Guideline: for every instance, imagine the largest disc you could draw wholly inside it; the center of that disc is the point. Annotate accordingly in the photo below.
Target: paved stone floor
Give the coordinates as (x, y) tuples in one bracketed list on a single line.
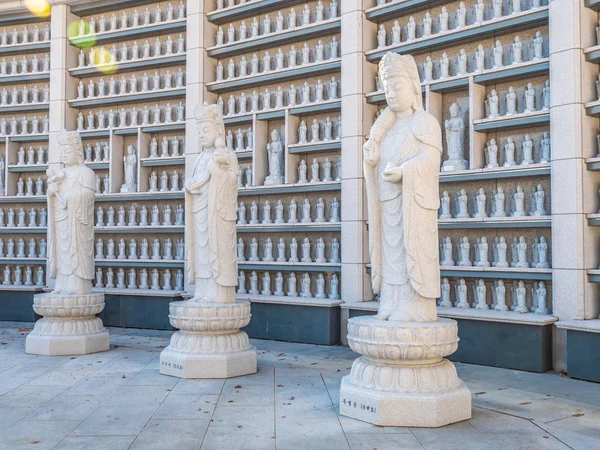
[(118, 400)]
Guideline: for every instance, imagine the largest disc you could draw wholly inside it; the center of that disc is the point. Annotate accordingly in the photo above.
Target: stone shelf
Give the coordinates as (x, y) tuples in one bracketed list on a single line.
[(290, 227), (126, 131), (139, 196), (593, 108), (593, 4), (279, 113), (23, 230), (316, 147), (238, 119), (590, 325), (592, 54), (98, 165), (140, 292), (11, 287), (497, 222), (497, 316), (139, 97), (274, 113), (506, 24), (94, 134), (594, 220), (19, 168), (29, 77), (23, 261), (131, 33), (317, 108), (24, 107), (154, 229), (164, 127), (520, 120), (276, 39), (593, 163), (245, 154), (398, 8), (31, 47), (276, 76), (249, 9), (152, 263), (508, 273), (327, 186), (28, 137), (164, 161), (289, 267), (593, 275), (531, 170), (285, 300), (128, 66), (23, 199)]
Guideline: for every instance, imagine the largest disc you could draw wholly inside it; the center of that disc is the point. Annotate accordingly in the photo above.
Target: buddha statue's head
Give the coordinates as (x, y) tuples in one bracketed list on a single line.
[(71, 148), (401, 82), (209, 123)]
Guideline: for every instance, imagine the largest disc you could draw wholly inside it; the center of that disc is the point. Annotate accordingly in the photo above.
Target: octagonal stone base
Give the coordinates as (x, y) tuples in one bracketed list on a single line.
[(67, 345), (405, 410), (194, 365)]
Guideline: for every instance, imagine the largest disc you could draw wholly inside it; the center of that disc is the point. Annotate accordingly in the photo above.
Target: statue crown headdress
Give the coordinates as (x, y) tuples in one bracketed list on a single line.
[(209, 112), (69, 137), (394, 64)]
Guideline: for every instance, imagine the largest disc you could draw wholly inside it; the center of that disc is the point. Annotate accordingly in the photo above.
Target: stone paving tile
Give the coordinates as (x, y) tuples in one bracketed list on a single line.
[(384, 442), (115, 421), (197, 387), (67, 407), (187, 406), (140, 396), (247, 427), (30, 396), (171, 434), (458, 436), (95, 443), (579, 431), (28, 434)]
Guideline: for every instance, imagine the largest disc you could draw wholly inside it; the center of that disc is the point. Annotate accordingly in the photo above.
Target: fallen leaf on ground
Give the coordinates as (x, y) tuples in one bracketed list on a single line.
[(525, 403), (577, 415)]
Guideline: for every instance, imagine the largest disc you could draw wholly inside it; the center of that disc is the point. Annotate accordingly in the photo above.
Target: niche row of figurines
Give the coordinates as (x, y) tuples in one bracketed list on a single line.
[(17, 277), (21, 249), (29, 187), (306, 212), (26, 66), (101, 56), (289, 60), (289, 252), (124, 118), (25, 35), (497, 207), (128, 217), (25, 125), (262, 28), (131, 85), (310, 287), (22, 218), (133, 20), (520, 301), (145, 250), (512, 150), (319, 171), (172, 182), (293, 96), (447, 21), (521, 102), (31, 156), (154, 279), (518, 253), (464, 63)]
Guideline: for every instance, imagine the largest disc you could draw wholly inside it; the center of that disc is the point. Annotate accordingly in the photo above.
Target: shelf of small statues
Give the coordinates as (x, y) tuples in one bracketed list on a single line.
[(24, 229), (397, 8), (23, 261), (126, 34), (474, 32), (315, 147), (247, 9), (23, 199), (593, 275), (507, 273), (24, 77), (277, 76), (287, 300), (163, 161), (153, 263), (275, 39), (18, 168), (520, 120), (140, 229), (593, 108), (98, 165), (138, 97), (279, 113), (496, 222), (321, 186), (491, 315), (529, 170), (28, 137), (24, 107), (594, 220), (290, 227), (138, 196), (290, 266), (29, 47), (128, 66)]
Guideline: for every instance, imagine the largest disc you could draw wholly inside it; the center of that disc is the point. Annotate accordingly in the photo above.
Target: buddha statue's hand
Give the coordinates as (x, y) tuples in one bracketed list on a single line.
[(392, 174), (52, 189), (371, 153)]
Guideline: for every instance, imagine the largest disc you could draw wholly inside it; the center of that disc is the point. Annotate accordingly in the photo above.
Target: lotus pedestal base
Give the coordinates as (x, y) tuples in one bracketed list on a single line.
[(69, 325), (210, 343), (402, 379)]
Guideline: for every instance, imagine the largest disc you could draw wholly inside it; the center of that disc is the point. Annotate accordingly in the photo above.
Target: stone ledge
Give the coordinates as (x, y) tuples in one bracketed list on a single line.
[(296, 301), (591, 326)]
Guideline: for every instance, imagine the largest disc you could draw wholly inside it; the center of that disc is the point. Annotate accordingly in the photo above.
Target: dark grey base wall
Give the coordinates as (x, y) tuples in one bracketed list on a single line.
[(507, 345), (133, 311), (583, 357), (295, 323), (17, 306)]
